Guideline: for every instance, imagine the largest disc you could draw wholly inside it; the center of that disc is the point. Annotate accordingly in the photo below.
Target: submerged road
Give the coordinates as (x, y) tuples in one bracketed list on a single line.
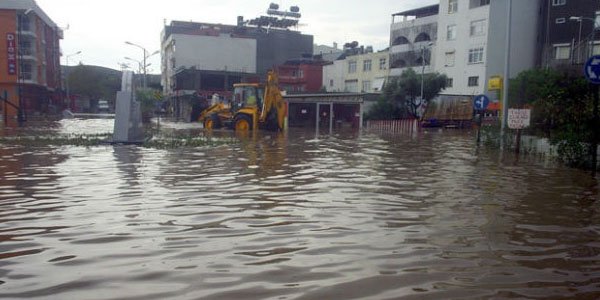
[(349, 216)]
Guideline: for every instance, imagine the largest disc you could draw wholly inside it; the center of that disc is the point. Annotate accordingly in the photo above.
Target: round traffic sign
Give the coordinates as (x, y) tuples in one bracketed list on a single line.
[(592, 69), (481, 102)]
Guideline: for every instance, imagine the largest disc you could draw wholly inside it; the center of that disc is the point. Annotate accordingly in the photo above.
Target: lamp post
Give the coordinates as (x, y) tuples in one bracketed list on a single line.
[(143, 63), (67, 74), (580, 20), (136, 61), (423, 48)]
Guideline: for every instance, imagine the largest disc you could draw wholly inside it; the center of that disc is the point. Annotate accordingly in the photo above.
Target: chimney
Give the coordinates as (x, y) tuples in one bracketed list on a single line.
[(240, 21), (335, 45)]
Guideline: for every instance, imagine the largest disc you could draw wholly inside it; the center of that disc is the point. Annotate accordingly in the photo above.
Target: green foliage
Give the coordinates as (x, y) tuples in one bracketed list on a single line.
[(562, 111), (560, 101), (147, 99), (401, 95), (94, 82)]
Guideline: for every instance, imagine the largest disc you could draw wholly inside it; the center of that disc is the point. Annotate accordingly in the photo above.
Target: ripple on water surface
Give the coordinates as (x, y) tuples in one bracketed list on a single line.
[(364, 217)]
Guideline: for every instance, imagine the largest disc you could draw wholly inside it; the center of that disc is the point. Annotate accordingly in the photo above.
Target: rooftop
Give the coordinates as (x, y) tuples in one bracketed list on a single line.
[(421, 12)]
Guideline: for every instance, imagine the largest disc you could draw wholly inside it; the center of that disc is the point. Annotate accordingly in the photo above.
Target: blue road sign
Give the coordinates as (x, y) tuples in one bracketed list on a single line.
[(592, 69), (481, 102)]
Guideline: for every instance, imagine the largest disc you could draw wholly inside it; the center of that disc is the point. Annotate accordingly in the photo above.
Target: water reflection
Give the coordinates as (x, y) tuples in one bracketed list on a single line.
[(290, 216)]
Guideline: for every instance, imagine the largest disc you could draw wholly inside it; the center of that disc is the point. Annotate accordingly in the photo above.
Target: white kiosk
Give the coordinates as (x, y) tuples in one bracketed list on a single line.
[(128, 116)]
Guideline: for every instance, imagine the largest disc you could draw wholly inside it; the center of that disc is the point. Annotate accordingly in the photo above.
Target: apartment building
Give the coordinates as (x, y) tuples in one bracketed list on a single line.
[(466, 39), (462, 44), (362, 71), (29, 59), (412, 40), (303, 75)]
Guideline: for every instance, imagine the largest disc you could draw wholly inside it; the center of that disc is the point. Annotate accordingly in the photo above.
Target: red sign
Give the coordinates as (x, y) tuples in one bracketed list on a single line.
[(11, 49)]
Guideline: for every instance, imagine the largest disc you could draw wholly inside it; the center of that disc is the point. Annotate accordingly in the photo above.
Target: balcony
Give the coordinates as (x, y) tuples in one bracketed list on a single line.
[(398, 71)]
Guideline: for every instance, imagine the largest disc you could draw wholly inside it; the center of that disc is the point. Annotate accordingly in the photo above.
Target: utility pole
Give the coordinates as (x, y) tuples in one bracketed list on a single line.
[(506, 75)]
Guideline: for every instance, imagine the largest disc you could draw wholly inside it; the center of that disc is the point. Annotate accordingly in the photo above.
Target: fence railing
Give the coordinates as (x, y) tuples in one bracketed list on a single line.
[(406, 126)]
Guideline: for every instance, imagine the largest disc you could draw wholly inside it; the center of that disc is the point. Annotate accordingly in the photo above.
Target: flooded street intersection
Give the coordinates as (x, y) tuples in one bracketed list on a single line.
[(349, 216)]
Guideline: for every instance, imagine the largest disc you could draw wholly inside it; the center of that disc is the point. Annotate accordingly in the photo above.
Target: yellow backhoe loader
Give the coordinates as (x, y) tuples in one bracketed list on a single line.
[(253, 106)]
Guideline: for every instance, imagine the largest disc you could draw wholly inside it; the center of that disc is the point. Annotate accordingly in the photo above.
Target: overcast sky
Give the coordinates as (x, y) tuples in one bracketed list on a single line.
[(100, 28)]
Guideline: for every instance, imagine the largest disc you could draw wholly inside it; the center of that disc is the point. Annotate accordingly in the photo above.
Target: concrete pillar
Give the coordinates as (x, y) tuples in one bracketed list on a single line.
[(317, 114), (331, 118), (360, 116)]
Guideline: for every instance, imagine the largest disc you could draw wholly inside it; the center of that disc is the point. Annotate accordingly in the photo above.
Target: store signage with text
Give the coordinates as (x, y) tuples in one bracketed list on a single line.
[(11, 49)]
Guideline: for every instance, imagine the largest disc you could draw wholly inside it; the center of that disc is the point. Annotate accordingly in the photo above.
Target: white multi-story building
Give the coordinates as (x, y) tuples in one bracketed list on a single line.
[(412, 40), (364, 72), (467, 40), (462, 45)]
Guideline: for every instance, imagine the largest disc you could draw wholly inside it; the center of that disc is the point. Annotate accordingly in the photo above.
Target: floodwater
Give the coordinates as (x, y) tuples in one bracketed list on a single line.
[(348, 216)]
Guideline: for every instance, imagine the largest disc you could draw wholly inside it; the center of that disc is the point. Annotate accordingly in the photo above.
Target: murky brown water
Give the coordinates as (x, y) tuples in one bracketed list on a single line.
[(343, 217)]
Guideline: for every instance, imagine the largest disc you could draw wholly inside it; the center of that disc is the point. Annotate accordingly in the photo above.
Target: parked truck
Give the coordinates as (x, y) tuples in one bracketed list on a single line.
[(254, 106)]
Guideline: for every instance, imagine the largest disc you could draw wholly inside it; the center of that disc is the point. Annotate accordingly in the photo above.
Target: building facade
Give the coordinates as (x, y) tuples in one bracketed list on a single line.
[(412, 40), (301, 76), (29, 60), (467, 42), (204, 58), (567, 32), (461, 50), (364, 71)]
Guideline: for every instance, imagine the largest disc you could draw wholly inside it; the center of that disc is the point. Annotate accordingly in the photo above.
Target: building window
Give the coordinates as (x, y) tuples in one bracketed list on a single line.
[(452, 6), (562, 51), (366, 86), (367, 65), (351, 86), (352, 67), (450, 58), (478, 27), (560, 20), (476, 55), (331, 82), (558, 2), (451, 33), (298, 73), (478, 3), (382, 64), (449, 82), (473, 81), (26, 71)]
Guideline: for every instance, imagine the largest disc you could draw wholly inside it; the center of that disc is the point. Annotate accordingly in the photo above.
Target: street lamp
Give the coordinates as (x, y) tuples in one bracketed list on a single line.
[(145, 56), (67, 74), (423, 48), (580, 20)]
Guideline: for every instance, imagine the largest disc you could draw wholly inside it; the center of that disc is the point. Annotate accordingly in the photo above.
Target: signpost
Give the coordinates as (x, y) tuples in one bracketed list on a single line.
[(591, 71), (480, 104), (519, 118)]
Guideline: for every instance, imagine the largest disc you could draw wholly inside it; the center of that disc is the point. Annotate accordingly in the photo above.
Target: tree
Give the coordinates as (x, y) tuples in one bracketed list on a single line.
[(401, 95), (94, 82)]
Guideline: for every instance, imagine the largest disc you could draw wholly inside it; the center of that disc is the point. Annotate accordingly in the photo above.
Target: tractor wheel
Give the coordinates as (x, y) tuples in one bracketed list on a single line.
[(242, 123), (212, 122)]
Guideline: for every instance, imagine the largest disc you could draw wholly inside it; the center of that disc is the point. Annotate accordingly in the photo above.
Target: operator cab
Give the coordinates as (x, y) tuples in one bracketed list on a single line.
[(247, 95)]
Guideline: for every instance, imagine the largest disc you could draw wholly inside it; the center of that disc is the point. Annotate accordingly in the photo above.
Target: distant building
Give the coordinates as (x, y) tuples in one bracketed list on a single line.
[(303, 75), (30, 64), (206, 58), (358, 70), (327, 53)]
